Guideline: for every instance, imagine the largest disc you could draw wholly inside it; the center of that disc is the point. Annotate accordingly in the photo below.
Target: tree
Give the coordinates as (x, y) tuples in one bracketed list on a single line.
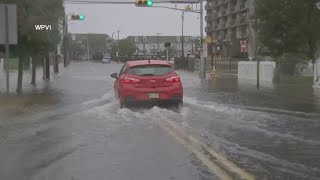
[(288, 28), (126, 46), (32, 43)]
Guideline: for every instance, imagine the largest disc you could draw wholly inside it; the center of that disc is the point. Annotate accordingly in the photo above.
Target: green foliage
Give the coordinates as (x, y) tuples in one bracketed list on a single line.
[(97, 42), (126, 46), (97, 56), (35, 12), (288, 28)]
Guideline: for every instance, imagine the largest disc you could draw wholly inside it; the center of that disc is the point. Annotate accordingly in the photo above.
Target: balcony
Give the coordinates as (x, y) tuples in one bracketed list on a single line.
[(231, 22), (243, 20), (232, 9), (208, 17), (223, 12), (221, 25), (209, 6), (227, 38), (208, 29), (242, 6)]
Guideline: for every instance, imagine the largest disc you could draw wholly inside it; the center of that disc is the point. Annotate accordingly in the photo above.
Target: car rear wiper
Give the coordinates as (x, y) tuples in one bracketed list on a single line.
[(146, 75)]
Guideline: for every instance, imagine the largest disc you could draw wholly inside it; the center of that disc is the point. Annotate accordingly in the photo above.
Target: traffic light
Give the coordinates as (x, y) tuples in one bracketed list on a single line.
[(77, 17), (144, 3)]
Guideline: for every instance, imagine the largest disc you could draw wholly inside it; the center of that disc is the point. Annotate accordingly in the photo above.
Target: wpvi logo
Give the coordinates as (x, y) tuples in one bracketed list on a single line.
[(41, 27)]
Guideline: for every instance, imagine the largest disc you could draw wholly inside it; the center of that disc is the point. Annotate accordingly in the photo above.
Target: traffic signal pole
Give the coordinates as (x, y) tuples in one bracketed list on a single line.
[(202, 62), (65, 41), (182, 36)]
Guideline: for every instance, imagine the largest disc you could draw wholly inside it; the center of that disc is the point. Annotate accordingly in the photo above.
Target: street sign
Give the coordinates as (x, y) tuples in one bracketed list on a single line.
[(243, 46), (12, 23)]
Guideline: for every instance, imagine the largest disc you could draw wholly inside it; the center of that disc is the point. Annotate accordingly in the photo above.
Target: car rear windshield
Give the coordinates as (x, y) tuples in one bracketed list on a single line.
[(150, 70)]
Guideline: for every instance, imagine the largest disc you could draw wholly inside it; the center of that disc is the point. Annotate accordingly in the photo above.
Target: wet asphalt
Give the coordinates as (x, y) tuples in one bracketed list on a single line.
[(72, 128)]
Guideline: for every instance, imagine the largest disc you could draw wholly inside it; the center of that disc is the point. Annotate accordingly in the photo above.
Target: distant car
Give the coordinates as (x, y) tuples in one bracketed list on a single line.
[(148, 82), (106, 60)]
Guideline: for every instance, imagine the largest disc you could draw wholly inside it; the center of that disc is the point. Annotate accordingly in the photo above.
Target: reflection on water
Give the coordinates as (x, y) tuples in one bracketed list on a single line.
[(290, 94), (42, 97)]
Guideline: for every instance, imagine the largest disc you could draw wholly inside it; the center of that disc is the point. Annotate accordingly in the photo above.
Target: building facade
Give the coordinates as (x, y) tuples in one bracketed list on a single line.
[(151, 45), (228, 23)]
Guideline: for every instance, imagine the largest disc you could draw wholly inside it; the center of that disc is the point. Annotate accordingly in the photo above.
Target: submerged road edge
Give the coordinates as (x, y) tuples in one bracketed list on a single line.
[(217, 164)]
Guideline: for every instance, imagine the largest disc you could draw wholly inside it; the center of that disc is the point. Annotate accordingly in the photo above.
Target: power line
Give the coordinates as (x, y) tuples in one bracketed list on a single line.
[(125, 2)]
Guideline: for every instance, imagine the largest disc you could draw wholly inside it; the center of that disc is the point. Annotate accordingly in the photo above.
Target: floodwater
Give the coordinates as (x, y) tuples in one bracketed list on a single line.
[(72, 128)]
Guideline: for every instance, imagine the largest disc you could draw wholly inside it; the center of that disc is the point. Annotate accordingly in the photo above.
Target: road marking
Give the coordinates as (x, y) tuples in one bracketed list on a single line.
[(215, 162)]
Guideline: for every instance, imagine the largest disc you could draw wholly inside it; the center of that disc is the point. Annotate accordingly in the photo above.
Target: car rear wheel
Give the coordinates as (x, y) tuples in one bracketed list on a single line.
[(122, 105), (178, 106)]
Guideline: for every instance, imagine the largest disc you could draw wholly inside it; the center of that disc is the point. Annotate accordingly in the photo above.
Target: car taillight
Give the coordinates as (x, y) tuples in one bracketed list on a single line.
[(131, 80), (173, 79)]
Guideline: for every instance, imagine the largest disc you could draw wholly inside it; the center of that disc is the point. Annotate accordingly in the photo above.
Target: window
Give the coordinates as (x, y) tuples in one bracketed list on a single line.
[(136, 39), (186, 39), (150, 70), (123, 69), (178, 38), (144, 39)]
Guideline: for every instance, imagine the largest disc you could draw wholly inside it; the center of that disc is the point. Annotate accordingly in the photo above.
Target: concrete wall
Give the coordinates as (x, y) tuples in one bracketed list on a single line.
[(248, 70)]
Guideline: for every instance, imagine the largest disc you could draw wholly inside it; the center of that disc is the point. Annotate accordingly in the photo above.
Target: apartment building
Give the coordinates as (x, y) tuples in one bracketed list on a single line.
[(150, 45), (227, 24)]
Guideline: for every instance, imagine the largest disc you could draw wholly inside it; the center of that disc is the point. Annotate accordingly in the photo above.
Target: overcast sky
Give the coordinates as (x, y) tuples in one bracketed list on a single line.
[(131, 20)]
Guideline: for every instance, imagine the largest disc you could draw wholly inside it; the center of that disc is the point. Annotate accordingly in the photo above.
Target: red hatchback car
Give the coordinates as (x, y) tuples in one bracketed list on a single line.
[(148, 82)]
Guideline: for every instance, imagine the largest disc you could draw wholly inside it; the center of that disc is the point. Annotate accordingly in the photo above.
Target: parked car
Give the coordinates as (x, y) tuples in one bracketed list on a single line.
[(106, 60), (152, 82)]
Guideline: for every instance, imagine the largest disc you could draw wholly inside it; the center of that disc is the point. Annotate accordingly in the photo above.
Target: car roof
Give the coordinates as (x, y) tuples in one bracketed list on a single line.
[(146, 62)]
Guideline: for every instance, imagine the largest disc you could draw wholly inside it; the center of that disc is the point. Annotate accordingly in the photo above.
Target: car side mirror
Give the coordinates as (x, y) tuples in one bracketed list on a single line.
[(114, 75)]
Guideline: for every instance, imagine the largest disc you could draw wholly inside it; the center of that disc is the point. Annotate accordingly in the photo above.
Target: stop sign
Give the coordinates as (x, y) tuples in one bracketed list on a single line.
[(243, 46)]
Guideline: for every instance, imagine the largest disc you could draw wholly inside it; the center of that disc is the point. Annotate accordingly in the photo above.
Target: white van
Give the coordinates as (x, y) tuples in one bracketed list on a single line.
[(106, 60)]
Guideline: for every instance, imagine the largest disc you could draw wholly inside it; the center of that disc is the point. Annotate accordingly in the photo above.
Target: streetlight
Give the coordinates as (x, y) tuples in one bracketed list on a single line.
[(118, 53)]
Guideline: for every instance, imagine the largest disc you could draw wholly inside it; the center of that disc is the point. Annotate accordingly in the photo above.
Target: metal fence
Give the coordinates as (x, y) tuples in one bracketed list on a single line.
[(290, 69), (225, 65)]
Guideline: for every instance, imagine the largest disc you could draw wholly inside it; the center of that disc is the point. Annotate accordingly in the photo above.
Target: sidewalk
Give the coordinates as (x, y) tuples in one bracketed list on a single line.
[(26, 78)]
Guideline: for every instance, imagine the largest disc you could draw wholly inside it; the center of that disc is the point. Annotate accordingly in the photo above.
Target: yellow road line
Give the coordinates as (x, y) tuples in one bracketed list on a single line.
[(215, 162)]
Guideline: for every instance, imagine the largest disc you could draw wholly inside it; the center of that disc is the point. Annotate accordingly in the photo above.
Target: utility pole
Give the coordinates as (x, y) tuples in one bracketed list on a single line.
[(182, 37), (88, 49), (202, 63), (118, 53), (65, 40), (158, 44), (7, 62)]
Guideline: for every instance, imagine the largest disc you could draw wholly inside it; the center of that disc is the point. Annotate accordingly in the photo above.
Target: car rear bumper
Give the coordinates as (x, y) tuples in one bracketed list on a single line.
[(166, 95), (170, 102)]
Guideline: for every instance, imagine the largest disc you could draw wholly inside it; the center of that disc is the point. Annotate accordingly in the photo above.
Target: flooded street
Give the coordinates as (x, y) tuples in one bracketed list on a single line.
[(72, 128)]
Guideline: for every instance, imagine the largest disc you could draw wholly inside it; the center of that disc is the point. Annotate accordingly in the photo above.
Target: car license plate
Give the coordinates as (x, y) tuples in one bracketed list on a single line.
[(153, 95)]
